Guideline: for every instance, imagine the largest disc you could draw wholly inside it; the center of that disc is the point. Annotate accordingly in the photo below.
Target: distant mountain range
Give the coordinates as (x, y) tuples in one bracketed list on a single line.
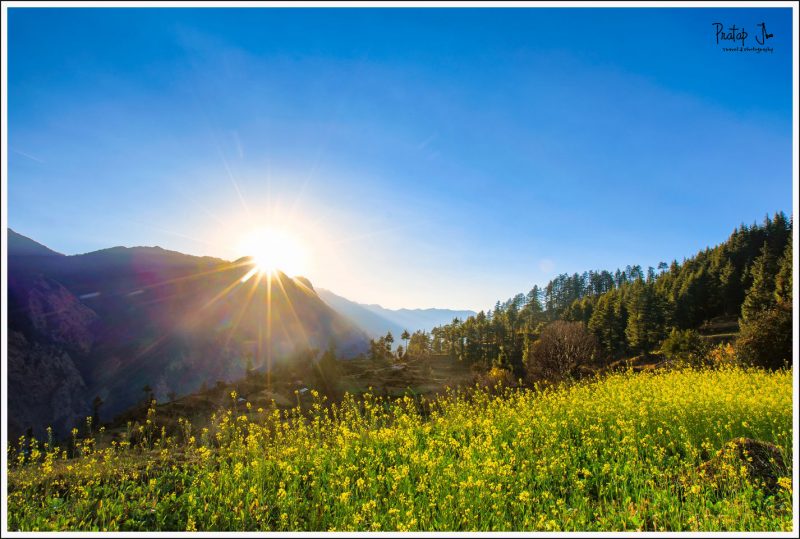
[(109, 322), (376, 320)]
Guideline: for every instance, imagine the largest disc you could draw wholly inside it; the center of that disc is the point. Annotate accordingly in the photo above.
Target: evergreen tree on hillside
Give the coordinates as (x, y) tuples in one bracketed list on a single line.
[(783, 281), (608, 322), (729, 285), (405, 336), (761, 295), (779, 233), (480, 335), (533, 312), (692, 299), (765, 339), (419, 344), (580, 310), (632, 310), (646, 317)]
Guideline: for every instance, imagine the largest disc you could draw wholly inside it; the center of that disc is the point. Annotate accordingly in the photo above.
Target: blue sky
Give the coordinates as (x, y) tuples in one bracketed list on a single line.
[(423, 157)]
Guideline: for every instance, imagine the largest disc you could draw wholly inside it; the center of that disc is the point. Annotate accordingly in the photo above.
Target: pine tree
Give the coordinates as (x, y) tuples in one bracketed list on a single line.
[(608, 322), (761, 296), (646, 317), (729, 283), (783, 281)]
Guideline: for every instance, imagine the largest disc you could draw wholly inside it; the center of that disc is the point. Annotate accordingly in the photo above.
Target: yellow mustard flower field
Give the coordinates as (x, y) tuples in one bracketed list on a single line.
[(646, 451)]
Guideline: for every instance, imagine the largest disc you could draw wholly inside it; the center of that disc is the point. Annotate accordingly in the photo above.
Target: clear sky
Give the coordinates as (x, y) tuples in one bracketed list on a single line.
[(422, 157)]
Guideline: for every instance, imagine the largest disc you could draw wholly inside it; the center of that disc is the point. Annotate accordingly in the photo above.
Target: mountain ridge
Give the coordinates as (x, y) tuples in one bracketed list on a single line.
[(25, 246), (376, 320), (123, 318)]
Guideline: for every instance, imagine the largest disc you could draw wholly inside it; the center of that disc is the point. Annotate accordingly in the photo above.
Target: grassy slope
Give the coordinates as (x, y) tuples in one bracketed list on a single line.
[(429, 377), (615, 454)]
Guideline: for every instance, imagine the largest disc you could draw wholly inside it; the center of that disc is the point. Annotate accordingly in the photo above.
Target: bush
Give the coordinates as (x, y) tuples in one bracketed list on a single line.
[(495, 378), (685, 347), (562, 349), (723, 355), (765, 339)]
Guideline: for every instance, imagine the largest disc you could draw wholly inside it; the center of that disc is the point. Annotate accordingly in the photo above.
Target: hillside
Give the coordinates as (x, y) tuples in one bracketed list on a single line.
[(110, 323), (123, 318), (655, 452), (746, 278), (21, 245)]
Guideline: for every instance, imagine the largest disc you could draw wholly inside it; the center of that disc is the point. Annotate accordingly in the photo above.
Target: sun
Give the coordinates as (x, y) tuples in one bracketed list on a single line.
[(273, 250)]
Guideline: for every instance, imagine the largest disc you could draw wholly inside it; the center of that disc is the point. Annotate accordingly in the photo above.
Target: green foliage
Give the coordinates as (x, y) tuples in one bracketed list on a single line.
[(761, 295), (783, 281), (622, 453), (646, 317), (765, 339), (632, 310), (580, 310), (381, 348), (419, 344), (608, 322), (685, 347)]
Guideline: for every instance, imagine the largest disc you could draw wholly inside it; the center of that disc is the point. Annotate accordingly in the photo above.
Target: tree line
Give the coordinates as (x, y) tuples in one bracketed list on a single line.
[(633, 311)]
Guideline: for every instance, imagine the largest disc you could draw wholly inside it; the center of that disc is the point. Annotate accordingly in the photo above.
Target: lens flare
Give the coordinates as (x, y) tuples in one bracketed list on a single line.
[(274, 250)]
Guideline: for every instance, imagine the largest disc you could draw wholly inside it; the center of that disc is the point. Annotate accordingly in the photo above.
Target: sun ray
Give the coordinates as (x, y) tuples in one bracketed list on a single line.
[(247, 299), (249, 274), (269, 334), (292, 309), (222, 293), (196, 275)]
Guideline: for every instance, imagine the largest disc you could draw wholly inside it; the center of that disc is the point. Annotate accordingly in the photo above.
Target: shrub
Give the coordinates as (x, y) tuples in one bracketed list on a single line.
[(560, 352), (685, 347), (495, 378), (765, 339), (723, 355)]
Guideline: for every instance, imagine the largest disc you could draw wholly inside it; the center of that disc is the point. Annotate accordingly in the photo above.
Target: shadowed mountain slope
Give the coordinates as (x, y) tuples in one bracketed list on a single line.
[(122, 318)]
